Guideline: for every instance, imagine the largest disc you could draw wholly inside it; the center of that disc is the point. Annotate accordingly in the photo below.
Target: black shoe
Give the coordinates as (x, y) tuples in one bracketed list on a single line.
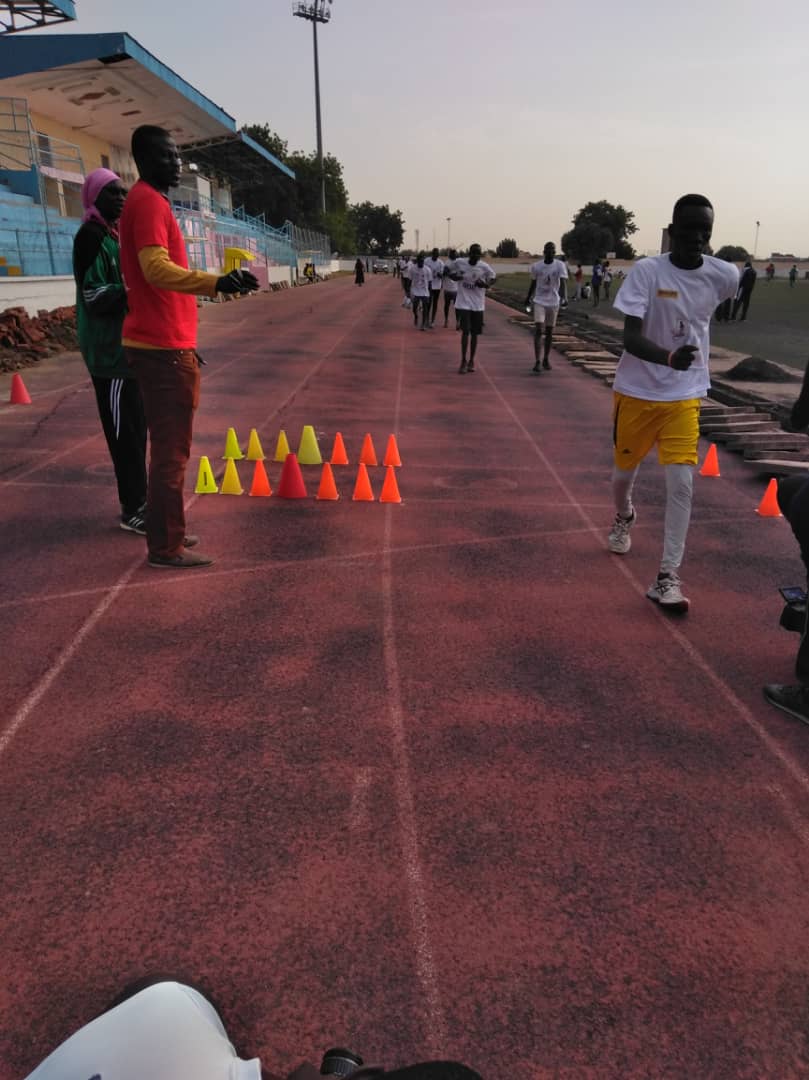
[(462, 369), (793, 700), (793, 617), (134, 523), (546, 365), (536, 369), (470, 368)]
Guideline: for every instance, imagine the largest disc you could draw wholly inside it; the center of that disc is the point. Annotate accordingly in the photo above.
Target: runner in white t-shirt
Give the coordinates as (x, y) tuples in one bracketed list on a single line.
[(436, 269), (547, 290), (404, 270), (420, 278), (450, 288), (667, 301), (474, 277)]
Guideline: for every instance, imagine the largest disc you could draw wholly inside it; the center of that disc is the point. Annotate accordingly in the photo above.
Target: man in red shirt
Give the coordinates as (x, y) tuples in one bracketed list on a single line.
[(160, 338)]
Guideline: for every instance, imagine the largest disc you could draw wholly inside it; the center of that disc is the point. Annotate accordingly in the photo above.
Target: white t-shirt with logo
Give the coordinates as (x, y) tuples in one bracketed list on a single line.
[(547, 277), (408, 266), (165, 1032), (471, 297), (676, 307), (447, 283), (420, 278), (436, 269)]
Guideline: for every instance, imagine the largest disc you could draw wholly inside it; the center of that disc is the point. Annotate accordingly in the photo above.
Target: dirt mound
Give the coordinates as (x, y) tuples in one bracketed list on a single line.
[(756, 369), (25, 340)]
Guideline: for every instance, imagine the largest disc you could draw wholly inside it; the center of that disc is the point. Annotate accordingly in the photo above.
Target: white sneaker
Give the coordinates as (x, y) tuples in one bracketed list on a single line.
[(619, 541), (666, 591)]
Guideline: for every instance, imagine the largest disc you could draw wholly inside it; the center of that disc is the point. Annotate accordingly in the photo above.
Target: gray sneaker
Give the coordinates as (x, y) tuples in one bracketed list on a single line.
[(793, 700), (666, 591), (619, 540)]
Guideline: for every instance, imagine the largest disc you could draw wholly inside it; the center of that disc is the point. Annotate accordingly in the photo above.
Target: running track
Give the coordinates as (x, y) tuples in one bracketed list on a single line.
[(428, 780)]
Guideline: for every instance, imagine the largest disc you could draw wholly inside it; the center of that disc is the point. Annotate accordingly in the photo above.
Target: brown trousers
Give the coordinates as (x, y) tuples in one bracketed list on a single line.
[(169, 386)]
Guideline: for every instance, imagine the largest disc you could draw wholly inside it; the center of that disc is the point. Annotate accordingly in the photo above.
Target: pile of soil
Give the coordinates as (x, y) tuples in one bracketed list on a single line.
[(25, 340)]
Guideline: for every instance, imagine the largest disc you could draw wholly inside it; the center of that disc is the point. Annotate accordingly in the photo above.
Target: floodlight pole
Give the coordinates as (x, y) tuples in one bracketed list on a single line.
[(755, 245), (449, 219), (316, 11)]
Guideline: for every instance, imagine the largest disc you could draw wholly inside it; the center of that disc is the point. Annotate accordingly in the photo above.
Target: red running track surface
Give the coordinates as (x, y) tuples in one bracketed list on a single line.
[(429, 779)]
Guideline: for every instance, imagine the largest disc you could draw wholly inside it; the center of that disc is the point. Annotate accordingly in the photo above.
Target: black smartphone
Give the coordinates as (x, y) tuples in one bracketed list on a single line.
[(793, 594)]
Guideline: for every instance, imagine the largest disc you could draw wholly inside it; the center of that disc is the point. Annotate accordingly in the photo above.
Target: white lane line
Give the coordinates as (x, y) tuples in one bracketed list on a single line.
[(733, 702), (426, 967), (114, 591)]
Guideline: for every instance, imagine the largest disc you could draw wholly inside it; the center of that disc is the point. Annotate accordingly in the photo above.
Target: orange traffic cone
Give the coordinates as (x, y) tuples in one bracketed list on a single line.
[(328, 488), (362, 489), (710, 466), (291, 485), (392, 453), (390, 489), (338, 454), (768, 507), (368, 454), (261, 483), (19, 395)]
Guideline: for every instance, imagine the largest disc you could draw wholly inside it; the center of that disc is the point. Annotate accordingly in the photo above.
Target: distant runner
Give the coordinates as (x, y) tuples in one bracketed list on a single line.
[(547, 290)]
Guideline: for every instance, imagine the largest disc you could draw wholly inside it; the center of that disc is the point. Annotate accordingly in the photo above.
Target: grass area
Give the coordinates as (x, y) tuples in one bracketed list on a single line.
[(777, 325)]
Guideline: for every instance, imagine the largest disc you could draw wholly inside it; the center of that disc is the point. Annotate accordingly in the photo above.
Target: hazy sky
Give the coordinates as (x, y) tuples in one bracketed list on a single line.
[(509, 115)]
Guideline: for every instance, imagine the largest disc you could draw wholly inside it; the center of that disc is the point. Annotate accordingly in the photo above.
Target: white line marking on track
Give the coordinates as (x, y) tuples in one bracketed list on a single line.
[(694, 655), (426, 967)]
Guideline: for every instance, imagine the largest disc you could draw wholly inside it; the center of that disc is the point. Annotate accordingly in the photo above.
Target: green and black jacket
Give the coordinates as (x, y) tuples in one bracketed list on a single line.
[(100, 301)]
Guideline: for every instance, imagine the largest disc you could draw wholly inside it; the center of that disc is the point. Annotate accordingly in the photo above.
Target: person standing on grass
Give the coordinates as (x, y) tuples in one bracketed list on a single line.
[(436, 269), (474, 276), (420, 280), (578, 277), (450, 288), (667, 302), (547, 290), (595, 281), (100, 310), (160, 338), (747, 283), (606, 279)]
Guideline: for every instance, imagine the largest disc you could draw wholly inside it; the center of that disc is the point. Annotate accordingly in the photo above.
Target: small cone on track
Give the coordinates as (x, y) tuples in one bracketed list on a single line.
[(368, 454), (328, 488), (338, 453), (254, 449), (308, 450), (710, 466), (363, 491), (390, 489), (206, 485), (768, 507), (261, 484), (281, 447), (291, 485), (19, 395), (392, 453), (233, 452), (231, 484)]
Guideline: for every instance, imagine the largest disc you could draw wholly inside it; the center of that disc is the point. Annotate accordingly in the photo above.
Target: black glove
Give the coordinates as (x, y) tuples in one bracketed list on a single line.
[(237, 281)]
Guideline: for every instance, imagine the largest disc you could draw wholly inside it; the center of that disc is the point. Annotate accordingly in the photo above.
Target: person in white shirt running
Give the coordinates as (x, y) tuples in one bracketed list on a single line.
[(420, 278), (474, 276), (404, 271), (667, 301), (547, 290), (436, 269), (450, 288)]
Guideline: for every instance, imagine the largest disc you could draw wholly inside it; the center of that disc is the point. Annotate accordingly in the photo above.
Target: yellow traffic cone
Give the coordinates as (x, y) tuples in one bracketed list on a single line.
[(231, 485), (282, 450), (308, 450), (232, 448), (254, 450), (206, 485)]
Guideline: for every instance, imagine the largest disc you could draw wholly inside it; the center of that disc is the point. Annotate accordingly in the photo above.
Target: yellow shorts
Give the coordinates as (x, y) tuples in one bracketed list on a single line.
[(637, 425)]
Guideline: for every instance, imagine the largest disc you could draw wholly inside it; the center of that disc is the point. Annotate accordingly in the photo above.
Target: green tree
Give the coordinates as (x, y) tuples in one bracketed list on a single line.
[(733, 253), (507, 249), (378, 229), (616, 221)]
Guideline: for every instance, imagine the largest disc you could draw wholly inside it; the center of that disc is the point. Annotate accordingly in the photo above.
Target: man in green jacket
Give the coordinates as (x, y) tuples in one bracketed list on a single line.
[(100, 310)]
